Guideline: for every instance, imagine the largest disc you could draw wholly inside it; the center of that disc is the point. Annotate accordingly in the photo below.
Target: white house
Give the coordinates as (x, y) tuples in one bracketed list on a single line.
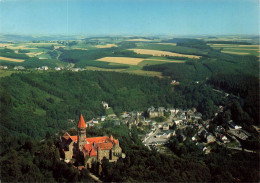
[(103, 118), (95, 121)]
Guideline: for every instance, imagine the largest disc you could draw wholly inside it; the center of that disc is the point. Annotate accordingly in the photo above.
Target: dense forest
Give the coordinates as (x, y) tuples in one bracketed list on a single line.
[(50, 99)]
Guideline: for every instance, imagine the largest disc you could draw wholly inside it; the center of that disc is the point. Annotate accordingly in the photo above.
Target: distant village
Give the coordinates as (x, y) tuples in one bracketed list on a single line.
[(158, 133), (44, 68)]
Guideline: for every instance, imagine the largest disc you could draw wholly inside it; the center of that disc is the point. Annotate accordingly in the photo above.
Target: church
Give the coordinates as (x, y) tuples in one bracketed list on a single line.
[(88, 150)]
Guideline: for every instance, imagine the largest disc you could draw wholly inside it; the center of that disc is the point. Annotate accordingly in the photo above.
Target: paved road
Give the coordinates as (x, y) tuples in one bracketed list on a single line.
[(240, 149)]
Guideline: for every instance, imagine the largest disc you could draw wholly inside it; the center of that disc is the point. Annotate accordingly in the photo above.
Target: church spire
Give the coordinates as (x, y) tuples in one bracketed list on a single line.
[(81, 123)]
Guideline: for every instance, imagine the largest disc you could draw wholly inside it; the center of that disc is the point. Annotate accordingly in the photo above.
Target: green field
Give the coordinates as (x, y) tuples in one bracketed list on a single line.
[(84, 53)]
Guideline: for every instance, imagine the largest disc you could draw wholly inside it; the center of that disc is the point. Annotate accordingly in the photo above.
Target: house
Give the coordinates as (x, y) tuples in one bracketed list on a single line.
[(166, 127), (103, 118), (105, 105), (153, 112), (19, 68), (75, 69), (3, 67), (58, 68), (95, 121), (178, 122), (45, 68), (224, 139), (210, 138), (89, 150), (233, 125)]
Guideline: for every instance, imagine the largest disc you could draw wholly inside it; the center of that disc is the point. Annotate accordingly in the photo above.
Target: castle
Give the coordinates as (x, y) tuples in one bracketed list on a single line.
[(88, 150)]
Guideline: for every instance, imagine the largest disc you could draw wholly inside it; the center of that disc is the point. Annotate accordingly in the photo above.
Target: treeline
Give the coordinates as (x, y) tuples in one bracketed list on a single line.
[(205, 67), (11, 54), (35, 62), (229, 42)]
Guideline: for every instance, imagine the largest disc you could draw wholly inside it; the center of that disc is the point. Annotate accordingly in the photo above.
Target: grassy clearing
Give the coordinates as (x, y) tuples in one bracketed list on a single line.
[(40, 112), (4, 73), (11, 59), (162, 53), (146, 73), (109, 111)]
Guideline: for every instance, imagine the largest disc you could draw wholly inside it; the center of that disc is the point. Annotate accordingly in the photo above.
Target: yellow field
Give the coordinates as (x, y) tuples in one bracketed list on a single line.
[(122, 60), (31, 54), (162, 53), (4, 45), (173, 44), (57, 47), (11, 59), (175, 61), (20, 48), (233, 45), (138, 40), (36, 44), (106, 46), (237, 53), (80, 49)]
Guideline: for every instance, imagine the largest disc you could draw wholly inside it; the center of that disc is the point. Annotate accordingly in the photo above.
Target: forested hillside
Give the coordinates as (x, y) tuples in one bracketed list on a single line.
[(36, 103)]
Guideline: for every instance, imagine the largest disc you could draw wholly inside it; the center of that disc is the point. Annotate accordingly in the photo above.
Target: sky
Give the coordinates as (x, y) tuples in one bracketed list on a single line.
[(129, 17)]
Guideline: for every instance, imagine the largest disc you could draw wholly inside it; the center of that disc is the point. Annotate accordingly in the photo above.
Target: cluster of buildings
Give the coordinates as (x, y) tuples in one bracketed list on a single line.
[(44, 68), (87, 150)]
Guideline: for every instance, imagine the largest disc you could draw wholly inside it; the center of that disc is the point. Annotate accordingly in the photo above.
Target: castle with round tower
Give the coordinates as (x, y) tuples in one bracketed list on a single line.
[(88, 150)]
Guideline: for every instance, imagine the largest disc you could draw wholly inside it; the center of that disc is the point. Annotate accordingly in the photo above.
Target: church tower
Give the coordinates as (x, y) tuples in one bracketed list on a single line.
[(81, 132)]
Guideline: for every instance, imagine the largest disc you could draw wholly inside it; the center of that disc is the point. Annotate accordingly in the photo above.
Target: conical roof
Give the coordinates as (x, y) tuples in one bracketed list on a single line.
[(81, 123)]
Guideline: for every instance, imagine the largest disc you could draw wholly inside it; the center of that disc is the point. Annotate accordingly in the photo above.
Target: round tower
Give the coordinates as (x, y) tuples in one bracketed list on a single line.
[(81, 132)]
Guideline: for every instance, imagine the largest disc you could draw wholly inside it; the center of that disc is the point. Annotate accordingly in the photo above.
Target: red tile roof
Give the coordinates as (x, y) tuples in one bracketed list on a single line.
[(66, 136), (74, 138), (105, 146), (93, 152), (88, 147), (81, 123), (97, 139)]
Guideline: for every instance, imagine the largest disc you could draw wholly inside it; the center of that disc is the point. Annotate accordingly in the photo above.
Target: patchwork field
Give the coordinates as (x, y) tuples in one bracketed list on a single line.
[(106, 46), (121, 60), (11, 59), (33, 54), (138, 40), (232, 52), (162, 53), (2, 45), (238, 49)]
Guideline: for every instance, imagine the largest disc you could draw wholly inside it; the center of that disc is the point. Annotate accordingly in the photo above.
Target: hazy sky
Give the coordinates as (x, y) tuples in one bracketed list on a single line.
[(133, 17)]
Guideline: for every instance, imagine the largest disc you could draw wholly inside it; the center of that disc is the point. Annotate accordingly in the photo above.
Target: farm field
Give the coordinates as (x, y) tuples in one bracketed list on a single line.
[(138, 55), (106, 46), (237, 49), (11, 59), (162, 53), (122, 60)]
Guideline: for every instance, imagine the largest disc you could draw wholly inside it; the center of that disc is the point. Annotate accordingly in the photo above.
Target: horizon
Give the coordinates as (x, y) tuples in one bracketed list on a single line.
[(129, 18)]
